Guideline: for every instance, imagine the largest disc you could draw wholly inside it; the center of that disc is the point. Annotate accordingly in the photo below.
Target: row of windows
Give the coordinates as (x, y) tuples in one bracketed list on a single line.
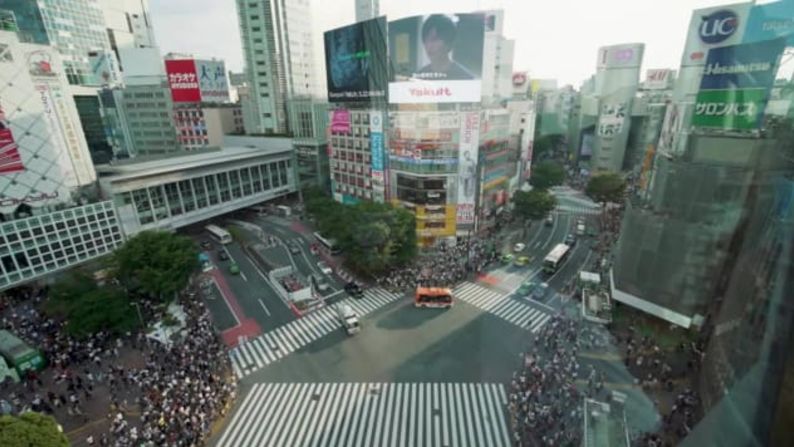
[(177, 198), (352, 190)]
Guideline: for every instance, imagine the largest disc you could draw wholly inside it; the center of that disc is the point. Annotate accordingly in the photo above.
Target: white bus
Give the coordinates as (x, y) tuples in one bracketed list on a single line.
[(555, 258), (329, 244), (219, 234)]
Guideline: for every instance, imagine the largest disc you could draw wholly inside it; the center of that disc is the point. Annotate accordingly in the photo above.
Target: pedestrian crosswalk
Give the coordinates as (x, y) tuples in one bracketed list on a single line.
[(259, 352), (370, 414), (501, 305), (577, 209)]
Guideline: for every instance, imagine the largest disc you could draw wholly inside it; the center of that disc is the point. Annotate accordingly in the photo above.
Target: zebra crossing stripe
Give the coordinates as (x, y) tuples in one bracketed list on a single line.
[(500, 305)]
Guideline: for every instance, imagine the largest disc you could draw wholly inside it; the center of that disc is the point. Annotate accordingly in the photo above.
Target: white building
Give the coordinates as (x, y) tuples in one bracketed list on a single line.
[(497, 63), (279, 59), (367, 9), (45, 155)]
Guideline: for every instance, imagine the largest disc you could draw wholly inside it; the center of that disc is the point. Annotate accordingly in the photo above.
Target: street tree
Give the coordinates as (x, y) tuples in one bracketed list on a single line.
[(31, 429), (547, 174), (156, 263), (534, 205), (606, 187)]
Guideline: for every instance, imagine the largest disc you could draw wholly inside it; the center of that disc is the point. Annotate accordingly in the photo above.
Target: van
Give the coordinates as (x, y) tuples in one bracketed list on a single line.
[(349, 319), (580, 228)]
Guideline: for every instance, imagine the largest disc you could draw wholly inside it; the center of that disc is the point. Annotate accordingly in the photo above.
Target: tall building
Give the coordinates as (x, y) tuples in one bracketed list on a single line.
[(497, 65), (74, 28), (279, 59), (367, 9), (309, 119)]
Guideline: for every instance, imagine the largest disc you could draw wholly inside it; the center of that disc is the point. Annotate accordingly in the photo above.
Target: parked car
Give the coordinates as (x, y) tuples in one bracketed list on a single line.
[(222, 255), (354, 290), (519, 247), (324, 268)]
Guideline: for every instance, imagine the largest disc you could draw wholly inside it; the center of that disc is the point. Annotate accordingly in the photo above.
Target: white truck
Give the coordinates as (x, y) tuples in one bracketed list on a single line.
[(349, 319)]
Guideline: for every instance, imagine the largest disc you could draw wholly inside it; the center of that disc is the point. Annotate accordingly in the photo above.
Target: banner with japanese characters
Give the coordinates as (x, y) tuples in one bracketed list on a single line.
[(182, 80)]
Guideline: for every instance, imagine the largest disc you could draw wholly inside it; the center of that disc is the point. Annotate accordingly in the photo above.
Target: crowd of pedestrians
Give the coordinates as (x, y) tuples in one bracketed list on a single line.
[(545, 405), (443, 266), (171, 398)]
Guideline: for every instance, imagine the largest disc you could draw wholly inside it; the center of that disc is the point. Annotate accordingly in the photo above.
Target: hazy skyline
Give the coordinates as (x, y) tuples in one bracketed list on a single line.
[(558, 40)]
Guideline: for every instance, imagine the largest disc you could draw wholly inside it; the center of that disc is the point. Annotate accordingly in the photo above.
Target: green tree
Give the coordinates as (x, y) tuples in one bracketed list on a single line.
[(31, 429), (606, 187), (535, 204), (547, 174), (157, 263), (89, 309)]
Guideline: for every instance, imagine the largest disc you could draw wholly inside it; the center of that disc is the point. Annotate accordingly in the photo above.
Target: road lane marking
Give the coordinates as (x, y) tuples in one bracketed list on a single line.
[(261, 303)]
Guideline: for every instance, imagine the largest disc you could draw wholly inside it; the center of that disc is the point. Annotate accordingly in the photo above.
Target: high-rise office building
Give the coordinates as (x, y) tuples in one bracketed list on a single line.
[(279, 59), (367, 9)]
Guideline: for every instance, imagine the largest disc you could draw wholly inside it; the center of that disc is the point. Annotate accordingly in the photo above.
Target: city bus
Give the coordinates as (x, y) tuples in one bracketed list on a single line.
[(329, 244), (219, 234), (433, 297), (555, 258), (19, 354)]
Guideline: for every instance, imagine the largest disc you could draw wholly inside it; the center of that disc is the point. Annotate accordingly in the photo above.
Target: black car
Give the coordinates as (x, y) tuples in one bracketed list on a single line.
[(354, 290), (206, 245), (570, 240), (222, 255)]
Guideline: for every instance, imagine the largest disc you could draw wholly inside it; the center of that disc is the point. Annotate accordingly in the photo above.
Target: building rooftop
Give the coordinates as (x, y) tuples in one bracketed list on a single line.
[(134, 168)]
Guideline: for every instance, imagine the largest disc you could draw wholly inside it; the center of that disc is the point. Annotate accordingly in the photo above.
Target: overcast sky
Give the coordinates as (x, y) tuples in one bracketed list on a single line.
[(554, 38)]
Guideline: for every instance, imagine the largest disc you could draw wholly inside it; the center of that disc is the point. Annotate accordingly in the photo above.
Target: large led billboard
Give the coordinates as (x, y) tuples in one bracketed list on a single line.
[(356, 63), (436, 58)]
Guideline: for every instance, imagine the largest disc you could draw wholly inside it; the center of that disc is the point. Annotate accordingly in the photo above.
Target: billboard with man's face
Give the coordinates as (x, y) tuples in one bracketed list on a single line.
[(436, 58), (356, 64)]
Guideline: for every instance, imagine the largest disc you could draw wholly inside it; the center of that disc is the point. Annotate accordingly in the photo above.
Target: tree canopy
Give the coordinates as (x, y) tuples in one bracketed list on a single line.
[(606, 187), (535, 204), (31, 429), (157, 263), (547, 174), (373, 236), (89, 309)]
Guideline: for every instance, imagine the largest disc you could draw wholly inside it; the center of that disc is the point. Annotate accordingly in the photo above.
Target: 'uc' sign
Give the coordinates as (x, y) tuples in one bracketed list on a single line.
[(718, 26)]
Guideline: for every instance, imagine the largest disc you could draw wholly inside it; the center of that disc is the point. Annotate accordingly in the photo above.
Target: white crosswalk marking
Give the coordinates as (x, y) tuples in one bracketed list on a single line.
[(370, 414), (501, 305), (259, 352), (578, 209)]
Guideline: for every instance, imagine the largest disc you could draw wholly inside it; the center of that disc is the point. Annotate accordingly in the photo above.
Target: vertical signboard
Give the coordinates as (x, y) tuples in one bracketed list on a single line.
[(376, 155), (182, 80), (10, 161), (437, 58), (467, 167), (735, 85), (770, 21), (356, 62), (212, 82), (714, 27)]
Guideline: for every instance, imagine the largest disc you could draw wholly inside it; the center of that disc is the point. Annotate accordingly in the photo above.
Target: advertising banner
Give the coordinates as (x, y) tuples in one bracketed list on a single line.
[(467, 167), (105, 67), (182, 80), (714, 27), (620, 56), (658, 78), (212, 81), (436, 58), (10, 160), (356, 63), (340, 121), (750, 65), (376, 140), (739, 109), (611, 119), (770, 21)]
